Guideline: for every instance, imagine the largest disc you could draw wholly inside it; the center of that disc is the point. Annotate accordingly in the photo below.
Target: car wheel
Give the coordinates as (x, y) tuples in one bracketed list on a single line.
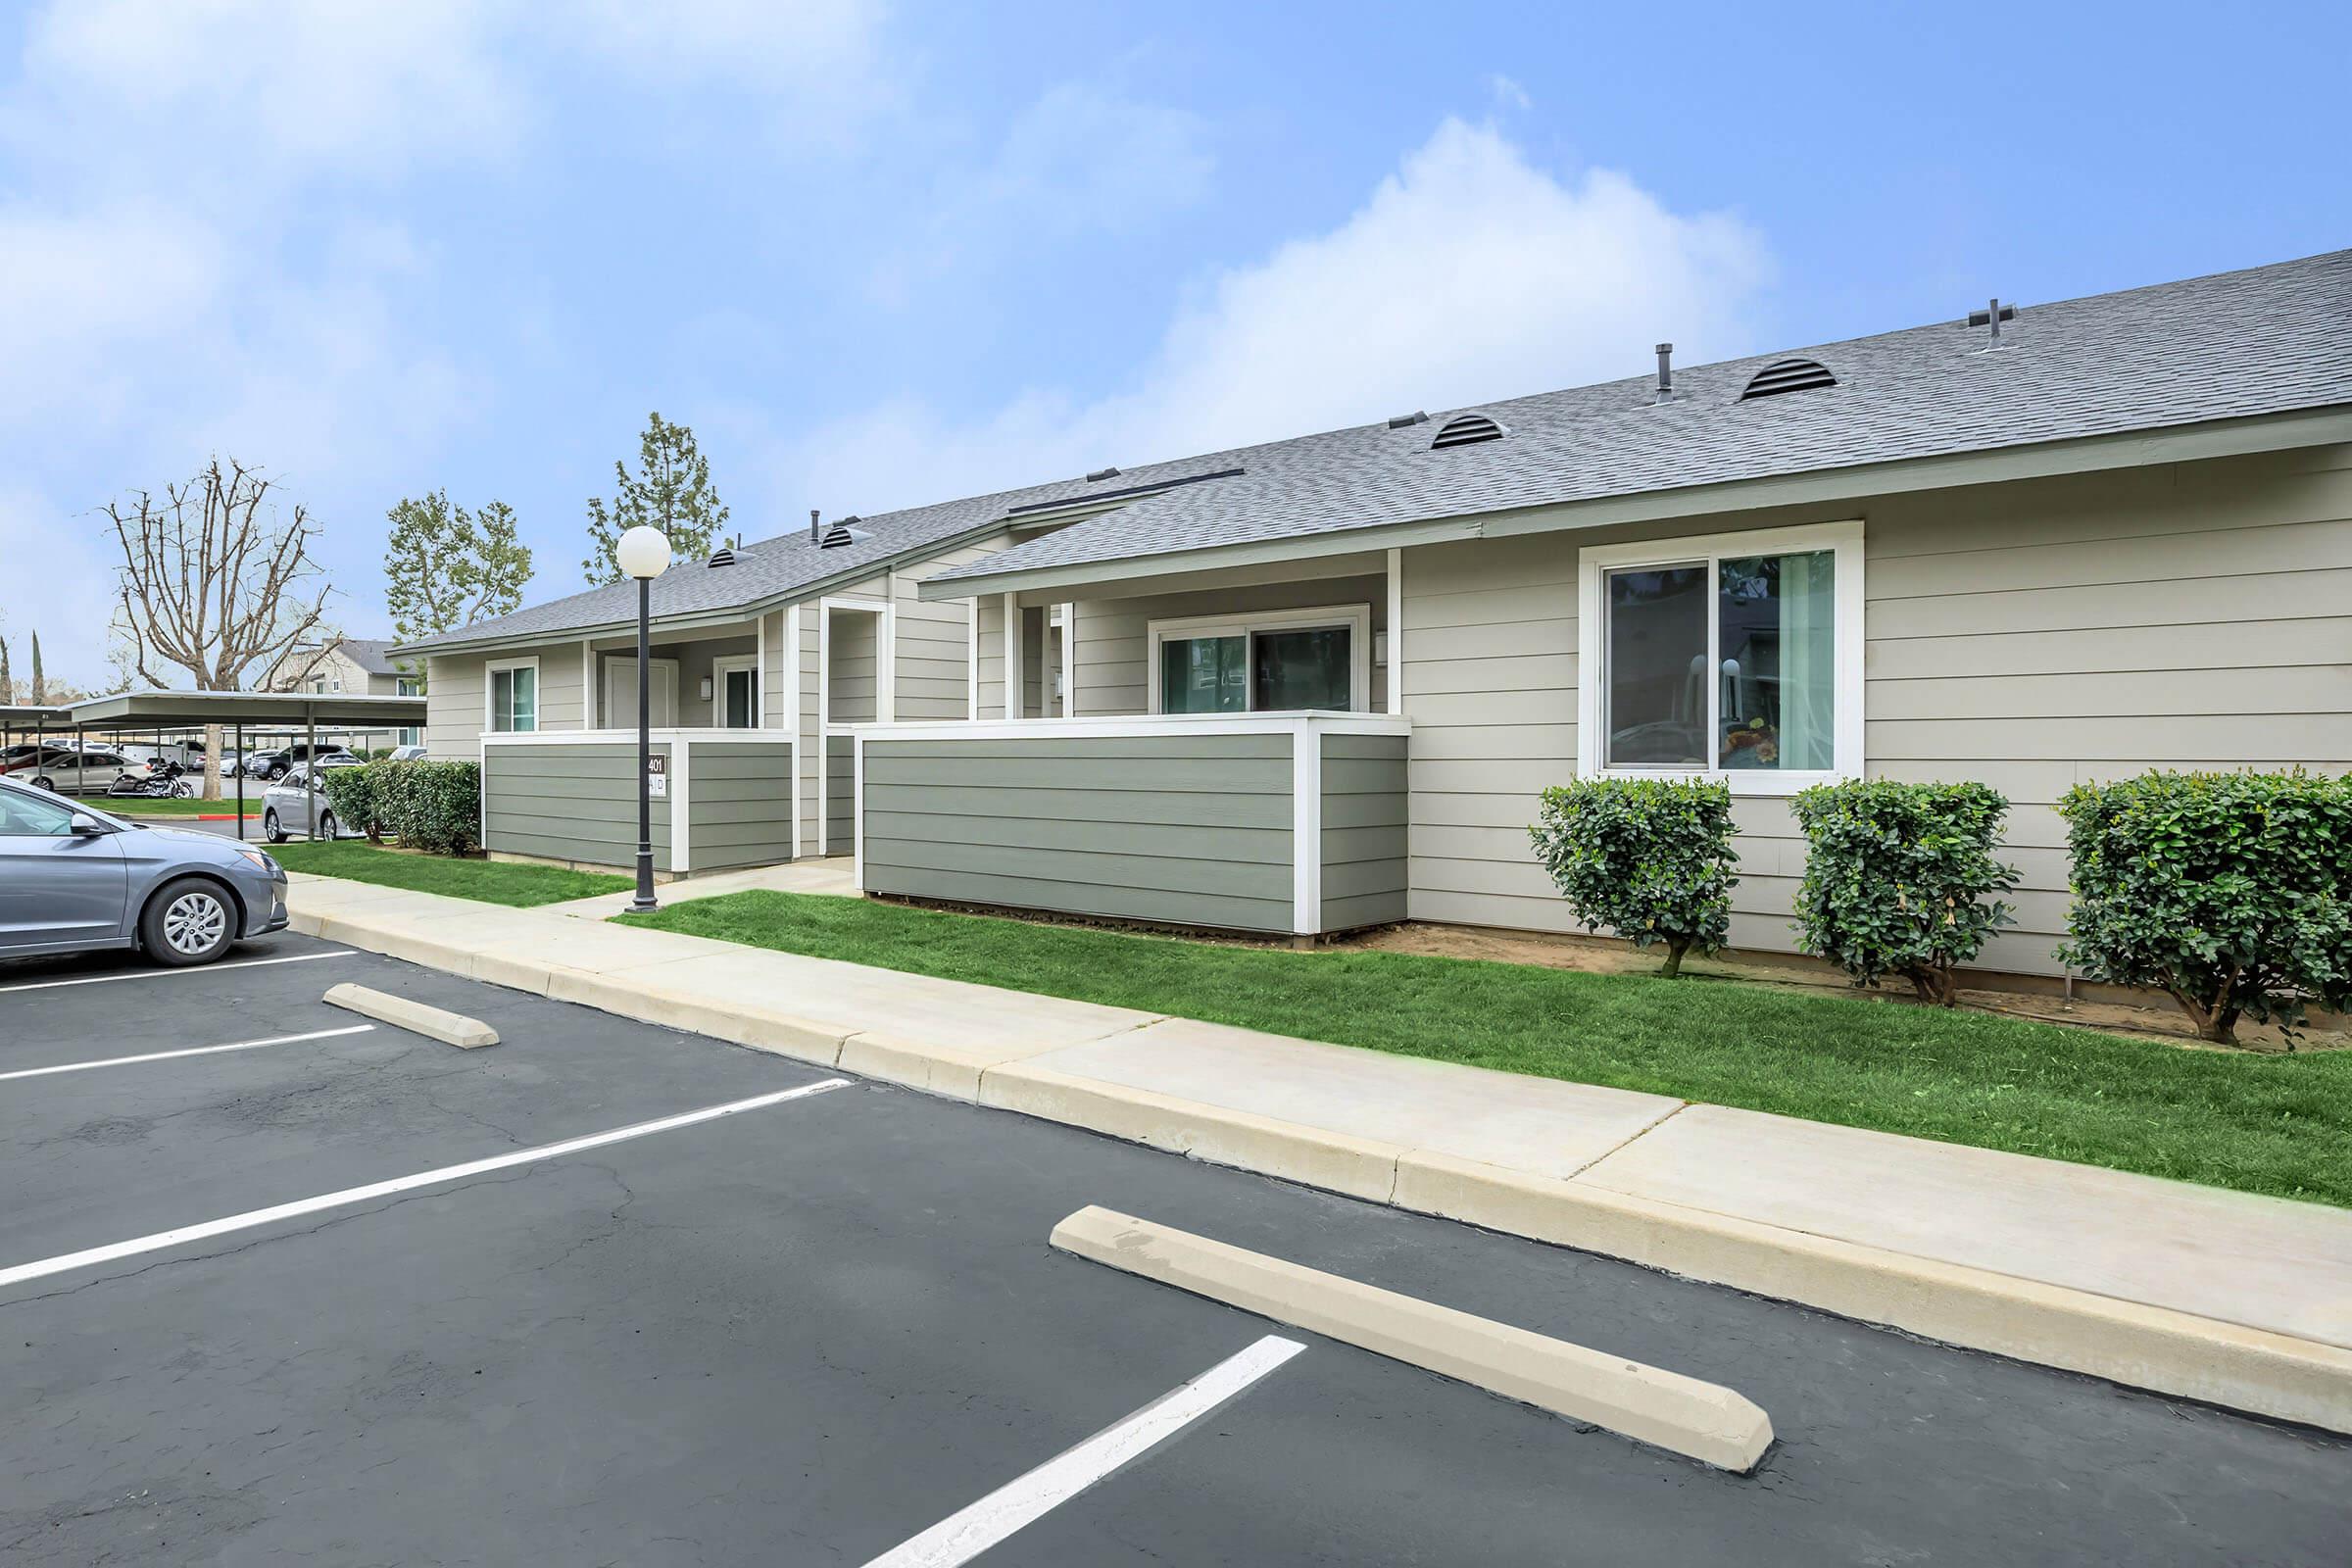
[(190, 921), (327, 825), (45, 782), (271, 828)]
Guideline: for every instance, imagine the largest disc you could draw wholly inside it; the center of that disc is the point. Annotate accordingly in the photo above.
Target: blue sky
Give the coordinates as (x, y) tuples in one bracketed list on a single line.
[(883, 254)]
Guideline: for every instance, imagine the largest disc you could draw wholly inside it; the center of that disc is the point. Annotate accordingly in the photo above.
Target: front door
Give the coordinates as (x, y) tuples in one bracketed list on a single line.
[(620, 692), (58, 888)]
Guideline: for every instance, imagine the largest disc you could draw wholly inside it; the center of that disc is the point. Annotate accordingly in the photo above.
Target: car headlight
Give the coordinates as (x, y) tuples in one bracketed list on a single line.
[(259, 858)]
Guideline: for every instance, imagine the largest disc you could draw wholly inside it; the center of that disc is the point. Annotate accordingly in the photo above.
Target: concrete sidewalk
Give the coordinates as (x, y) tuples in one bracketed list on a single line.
[(2241, 1301)]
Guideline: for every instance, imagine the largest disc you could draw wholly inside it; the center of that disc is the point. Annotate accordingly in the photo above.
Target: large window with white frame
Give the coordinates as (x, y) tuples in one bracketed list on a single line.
[(1274, 662), (512, 689), (1735, 656)]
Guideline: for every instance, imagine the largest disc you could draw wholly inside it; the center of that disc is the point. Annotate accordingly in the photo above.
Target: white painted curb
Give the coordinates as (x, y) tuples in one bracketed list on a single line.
[(1704, 1421), (435, 1023)]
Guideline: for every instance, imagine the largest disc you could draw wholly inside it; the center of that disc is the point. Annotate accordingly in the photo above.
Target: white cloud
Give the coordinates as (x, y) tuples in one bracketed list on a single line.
[(1471, 273), (181, 269)]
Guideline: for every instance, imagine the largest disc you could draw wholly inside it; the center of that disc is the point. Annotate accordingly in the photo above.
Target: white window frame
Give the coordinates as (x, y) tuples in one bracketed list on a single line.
[(1357, 618), (721, 669), (490, 669), (1595, 562)]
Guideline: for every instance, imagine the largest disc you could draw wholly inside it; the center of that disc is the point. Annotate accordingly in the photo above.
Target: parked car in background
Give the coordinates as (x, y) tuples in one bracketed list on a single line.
[(66, 771), (406, 754), (74, 878), (286, 803), (273, 765)]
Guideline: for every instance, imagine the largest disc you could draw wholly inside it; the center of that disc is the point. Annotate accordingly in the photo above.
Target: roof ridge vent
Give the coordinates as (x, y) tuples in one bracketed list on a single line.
[(1465, 429), (1399, 420), (1787, 376), (1100, 475)]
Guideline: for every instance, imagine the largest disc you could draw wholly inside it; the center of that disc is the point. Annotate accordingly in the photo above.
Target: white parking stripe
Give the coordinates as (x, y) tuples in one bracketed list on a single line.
[(193, 1050), (961, 1537), (165, 974), (398, 1183)]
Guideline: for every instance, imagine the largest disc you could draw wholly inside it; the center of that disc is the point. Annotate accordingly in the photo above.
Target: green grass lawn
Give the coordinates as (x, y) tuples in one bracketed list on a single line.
[(181, 808), (2264, 1124), (489, 881)]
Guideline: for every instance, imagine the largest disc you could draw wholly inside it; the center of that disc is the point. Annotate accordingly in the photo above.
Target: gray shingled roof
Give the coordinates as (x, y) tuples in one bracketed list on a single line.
[(2268, 340), (372, 655)]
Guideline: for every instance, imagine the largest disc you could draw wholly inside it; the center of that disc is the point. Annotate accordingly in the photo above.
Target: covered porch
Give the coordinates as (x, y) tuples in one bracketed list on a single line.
[(1210, 750)]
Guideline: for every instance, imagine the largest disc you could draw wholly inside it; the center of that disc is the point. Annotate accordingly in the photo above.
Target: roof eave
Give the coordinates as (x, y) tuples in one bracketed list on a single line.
[(2221, 438), (718, 615)]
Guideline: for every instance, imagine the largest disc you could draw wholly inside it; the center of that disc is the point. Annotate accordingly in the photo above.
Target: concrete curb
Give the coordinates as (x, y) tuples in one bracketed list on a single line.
[(1702, 1421), (1315, 1157), (2127, 1342), (2157, 1348), (418, 1017)]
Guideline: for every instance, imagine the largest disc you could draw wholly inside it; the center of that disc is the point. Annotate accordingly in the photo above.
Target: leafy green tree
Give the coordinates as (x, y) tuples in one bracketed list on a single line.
[(670, 491), (446, 566)]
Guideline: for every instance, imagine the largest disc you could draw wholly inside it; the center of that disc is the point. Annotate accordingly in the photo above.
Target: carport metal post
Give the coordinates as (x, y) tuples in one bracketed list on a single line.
[(310, 771), (238, 752)]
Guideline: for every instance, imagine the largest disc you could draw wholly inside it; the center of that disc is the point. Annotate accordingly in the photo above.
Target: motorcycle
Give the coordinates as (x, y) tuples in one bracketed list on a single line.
[(164, 780)]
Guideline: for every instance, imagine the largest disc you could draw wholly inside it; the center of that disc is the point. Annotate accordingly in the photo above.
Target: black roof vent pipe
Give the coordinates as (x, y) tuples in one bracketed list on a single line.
[(1665, 372), (816, 535)]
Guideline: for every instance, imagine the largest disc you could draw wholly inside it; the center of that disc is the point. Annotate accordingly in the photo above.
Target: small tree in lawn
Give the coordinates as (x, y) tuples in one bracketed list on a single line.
[(1648, 858), (1899, 879), (670, 491), (2232, 892), (445, 566)]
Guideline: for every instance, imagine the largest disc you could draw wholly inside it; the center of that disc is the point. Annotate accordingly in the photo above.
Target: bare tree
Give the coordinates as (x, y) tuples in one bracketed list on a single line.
[(8, 682), (215, 584)]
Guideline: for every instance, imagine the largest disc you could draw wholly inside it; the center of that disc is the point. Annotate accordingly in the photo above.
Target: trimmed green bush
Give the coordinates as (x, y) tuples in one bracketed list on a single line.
[(355, 797), (1648, 858), (1899, 879), (2232, 892), (435, 806)]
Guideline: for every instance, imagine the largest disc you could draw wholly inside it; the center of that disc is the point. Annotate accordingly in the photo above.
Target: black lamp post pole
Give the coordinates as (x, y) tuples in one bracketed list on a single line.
[(644, 901)]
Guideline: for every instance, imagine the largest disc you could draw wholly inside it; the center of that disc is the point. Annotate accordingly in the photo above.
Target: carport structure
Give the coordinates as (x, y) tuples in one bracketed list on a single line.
[(273, 712)]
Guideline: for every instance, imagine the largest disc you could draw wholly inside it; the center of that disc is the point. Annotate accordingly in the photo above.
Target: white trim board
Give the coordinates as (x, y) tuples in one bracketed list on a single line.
[(1595, 562), (1331, 722)]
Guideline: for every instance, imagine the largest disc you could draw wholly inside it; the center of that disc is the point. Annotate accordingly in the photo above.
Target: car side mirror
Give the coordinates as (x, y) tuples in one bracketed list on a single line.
[(85, 826)]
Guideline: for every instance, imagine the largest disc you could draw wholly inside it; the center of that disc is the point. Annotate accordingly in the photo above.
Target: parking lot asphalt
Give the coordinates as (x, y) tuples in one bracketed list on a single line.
[(812, 1331)]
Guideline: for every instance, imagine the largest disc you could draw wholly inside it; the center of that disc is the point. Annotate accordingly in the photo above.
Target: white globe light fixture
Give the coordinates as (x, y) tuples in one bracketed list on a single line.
[(644, 553)]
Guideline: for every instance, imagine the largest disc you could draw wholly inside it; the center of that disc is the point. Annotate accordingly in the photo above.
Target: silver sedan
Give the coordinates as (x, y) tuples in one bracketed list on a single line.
[(74, 878)]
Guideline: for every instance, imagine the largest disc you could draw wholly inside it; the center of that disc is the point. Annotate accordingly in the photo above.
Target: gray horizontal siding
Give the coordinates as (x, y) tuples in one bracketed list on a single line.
[(570, 802), (1365, 869), (739, 802), (1189, 830)]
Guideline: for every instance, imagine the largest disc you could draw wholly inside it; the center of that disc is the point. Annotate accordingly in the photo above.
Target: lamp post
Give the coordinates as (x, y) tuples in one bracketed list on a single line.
[(644, 553)]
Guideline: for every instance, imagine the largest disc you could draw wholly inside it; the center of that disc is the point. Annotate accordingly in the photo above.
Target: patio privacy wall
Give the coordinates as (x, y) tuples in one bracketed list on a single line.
[(2029, 635), (1194, 829), (571, 803)]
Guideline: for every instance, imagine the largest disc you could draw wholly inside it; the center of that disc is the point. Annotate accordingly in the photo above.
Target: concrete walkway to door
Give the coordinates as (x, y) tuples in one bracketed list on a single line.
[(832, 875)]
